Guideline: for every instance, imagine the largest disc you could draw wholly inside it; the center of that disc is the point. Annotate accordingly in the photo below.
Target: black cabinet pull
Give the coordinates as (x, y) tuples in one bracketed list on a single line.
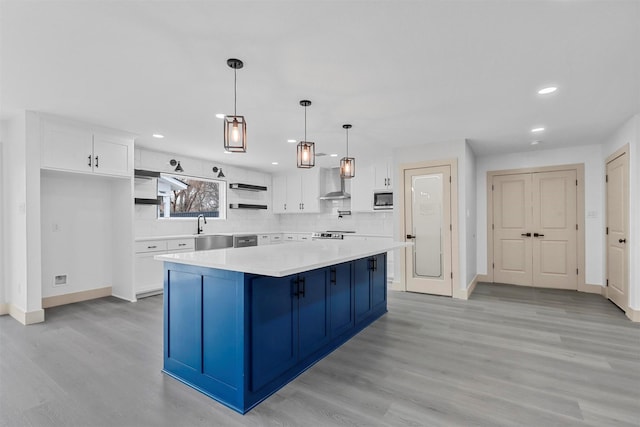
[(97, 164), (410, 236), (622, 240), (89, 164), (375, 264), (526, 234), (296, 284), (332, 278), (303, 287), (538, 235)]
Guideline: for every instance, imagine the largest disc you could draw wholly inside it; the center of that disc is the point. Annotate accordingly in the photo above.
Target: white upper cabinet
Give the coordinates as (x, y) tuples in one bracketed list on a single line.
[(376, 176), (80, 149), (382, 175), (279, 194), (111, 156), (297, 192)]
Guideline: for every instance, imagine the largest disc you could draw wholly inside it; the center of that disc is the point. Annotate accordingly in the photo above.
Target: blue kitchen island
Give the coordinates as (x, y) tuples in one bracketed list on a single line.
[(241, 323)]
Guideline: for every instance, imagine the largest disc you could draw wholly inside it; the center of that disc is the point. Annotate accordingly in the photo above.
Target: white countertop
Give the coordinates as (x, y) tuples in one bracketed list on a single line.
[(238, 233), (283, 260)]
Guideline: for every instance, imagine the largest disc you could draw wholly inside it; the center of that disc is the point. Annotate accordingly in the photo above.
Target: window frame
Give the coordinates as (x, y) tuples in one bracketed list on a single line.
[(222, 197)]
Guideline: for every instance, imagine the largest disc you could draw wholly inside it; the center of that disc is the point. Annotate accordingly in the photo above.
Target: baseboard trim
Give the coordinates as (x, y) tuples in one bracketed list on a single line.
[(483, 278), (57, 300), (591, 289), (26, 317), (396, 286), (466, 293), (4, 308), (633, 315)]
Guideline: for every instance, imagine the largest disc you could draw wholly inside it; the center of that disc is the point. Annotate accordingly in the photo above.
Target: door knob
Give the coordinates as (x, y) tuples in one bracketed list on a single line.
[(622, 240), (409, 236)]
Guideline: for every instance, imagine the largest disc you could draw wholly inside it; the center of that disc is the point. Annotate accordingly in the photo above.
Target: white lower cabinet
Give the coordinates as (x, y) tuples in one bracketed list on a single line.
[(149, 277), (264, 239)]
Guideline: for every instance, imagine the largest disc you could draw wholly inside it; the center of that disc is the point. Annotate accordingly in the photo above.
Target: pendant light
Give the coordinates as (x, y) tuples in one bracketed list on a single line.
[(347, 164), (235, 127), (306, 152)]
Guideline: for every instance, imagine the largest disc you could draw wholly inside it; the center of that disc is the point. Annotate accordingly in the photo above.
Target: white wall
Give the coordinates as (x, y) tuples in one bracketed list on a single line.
[(3, 298), (440, 151), (629, 133), (591, 157), (238, 220), (77, 232), (470, 212)]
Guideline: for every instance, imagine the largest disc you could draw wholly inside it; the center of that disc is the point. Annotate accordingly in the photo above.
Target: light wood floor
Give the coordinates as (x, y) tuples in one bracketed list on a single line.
[(508, 356)]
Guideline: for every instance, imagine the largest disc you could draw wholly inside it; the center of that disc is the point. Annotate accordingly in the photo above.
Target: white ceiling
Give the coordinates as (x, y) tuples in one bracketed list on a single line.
[(402, 72)]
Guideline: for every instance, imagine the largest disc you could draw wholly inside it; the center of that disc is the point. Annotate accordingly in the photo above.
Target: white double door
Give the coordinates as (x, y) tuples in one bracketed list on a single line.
[(535, 229)]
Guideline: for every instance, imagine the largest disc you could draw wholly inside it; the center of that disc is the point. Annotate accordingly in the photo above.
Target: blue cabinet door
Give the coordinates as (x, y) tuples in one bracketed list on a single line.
[(379, 281), (313, 311), (362, 288), (274, 328), (341, 302)]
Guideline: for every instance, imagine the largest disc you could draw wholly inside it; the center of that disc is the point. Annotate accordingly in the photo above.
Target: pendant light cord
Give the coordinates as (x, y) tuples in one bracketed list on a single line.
[(305, 123), (235, 91), (347, 142)]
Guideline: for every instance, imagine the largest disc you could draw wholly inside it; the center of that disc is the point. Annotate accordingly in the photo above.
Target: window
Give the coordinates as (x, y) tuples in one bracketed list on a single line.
[(188, 197)]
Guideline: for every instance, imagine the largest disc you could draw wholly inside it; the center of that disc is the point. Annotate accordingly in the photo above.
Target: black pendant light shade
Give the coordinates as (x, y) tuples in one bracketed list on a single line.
[(235, 127), (347, 164), (306, 150)]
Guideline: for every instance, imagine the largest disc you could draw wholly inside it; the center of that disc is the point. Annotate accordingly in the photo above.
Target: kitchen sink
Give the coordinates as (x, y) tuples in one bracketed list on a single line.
[(213, 241)]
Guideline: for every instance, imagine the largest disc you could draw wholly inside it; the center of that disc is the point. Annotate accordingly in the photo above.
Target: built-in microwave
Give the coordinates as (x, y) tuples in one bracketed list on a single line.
[(382, 200)]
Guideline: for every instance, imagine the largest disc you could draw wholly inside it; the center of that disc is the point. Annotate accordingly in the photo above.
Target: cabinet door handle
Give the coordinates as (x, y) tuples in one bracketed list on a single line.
[(182, 244), (151, 247), (538, 235), (303, 287), (285, 206), (97, 164), (89, 164), (296, 284), (526, 234), (411, 236), (332, 278), (622, 240)]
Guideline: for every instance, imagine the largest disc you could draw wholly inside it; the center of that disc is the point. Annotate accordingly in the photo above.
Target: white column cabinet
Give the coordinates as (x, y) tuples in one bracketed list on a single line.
[(297, 192), (80, 149), (362, 186)]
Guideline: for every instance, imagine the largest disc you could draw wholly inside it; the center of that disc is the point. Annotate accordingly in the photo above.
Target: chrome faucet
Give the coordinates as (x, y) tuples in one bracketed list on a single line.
[(199, 226)]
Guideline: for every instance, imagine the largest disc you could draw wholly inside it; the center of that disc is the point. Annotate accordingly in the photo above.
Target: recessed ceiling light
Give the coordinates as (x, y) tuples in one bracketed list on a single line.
[(274, 163), (536, 142), (157, 135), (291, 141), (547, 90), (540, 129), (333, 155), (220, 116)]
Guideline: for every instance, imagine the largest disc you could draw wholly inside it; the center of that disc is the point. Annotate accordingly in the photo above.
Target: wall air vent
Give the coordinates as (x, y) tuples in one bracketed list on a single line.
[(247, 187)]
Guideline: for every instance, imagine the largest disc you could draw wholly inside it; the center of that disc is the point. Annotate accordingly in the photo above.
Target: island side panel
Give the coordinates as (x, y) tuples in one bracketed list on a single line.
[(204, 331)]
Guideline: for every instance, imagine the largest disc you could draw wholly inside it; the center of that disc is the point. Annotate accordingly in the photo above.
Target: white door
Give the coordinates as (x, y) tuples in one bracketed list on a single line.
[(535, 229), (617, 212), (428, 225), (555, 233), (111, 156), (512, 229)]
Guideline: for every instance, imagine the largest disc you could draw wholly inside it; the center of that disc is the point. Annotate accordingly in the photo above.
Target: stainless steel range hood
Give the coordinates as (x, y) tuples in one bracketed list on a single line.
[(339, 192)]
